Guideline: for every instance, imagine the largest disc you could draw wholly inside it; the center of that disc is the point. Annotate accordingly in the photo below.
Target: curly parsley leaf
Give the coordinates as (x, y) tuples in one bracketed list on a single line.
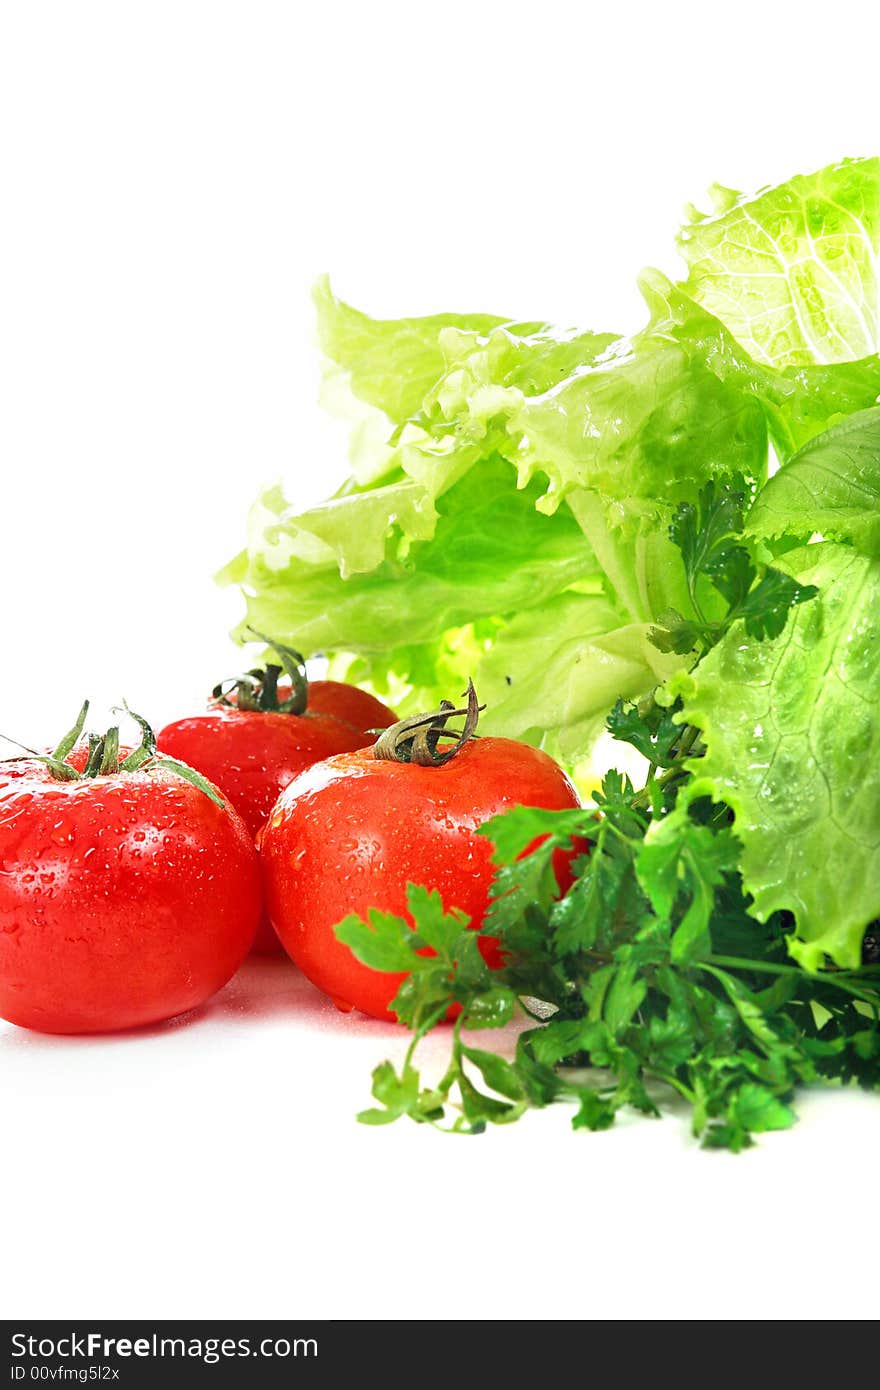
[(715, 554), (680, 858), (650, 729)]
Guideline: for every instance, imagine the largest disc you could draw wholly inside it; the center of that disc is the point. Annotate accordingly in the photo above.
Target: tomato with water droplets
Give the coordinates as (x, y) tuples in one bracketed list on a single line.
[(125, 898), (348, 703), (350, 833), (252, 755), (262, 729)]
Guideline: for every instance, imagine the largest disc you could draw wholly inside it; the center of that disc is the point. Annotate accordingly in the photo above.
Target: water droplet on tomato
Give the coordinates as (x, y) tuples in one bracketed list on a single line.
[(61, 833)]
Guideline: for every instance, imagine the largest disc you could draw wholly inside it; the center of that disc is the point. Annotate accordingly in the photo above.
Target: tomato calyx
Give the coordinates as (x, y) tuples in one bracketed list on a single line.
[(103, 760), (257, 690), (417, 739)]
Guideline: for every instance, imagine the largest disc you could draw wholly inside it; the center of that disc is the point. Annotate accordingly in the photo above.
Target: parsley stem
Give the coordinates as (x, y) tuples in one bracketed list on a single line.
[(643, 797), (839, 979), (742, 963), (423, 1026), (670, 1079), (692, 593)]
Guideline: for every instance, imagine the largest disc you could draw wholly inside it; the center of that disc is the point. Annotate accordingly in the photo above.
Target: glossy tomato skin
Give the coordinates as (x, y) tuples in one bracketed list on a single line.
[(124, 900), (350, 833), (252, 755), (348, 702)]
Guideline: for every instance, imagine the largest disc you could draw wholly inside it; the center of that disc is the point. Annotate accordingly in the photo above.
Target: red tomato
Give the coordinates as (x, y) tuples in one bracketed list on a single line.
[(252, 755), (350, 833), (348, 702), (124, 898)]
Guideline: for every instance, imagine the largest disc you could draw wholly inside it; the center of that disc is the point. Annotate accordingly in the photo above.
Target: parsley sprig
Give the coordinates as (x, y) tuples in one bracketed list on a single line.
[(717, 557)]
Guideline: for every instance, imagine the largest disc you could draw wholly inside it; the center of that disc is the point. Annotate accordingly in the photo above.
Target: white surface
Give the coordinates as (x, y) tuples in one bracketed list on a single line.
[(212, 1167), (173, 179)]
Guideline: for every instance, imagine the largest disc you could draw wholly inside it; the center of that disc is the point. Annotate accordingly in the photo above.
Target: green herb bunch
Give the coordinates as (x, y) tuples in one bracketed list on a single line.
[(650, 975)]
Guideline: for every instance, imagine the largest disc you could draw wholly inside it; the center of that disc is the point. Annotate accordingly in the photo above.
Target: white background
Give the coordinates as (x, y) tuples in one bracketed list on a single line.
[(173, 177)]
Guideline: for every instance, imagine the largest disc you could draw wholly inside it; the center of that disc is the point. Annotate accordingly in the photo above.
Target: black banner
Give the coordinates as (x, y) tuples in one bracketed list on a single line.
[(138, 1354)]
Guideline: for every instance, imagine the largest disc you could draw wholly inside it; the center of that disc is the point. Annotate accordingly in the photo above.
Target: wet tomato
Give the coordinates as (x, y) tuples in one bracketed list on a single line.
[(252, 755), (256, 738), (127, 896), (350, 834), (351, 704)]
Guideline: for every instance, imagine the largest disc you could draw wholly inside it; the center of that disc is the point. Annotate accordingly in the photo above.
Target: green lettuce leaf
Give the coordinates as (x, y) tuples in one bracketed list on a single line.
[(384, 576), (391, 364), (802, 402), (792, 734), (792, 271), (832, 486), (798, 402), (649, 418), (555, 669)]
